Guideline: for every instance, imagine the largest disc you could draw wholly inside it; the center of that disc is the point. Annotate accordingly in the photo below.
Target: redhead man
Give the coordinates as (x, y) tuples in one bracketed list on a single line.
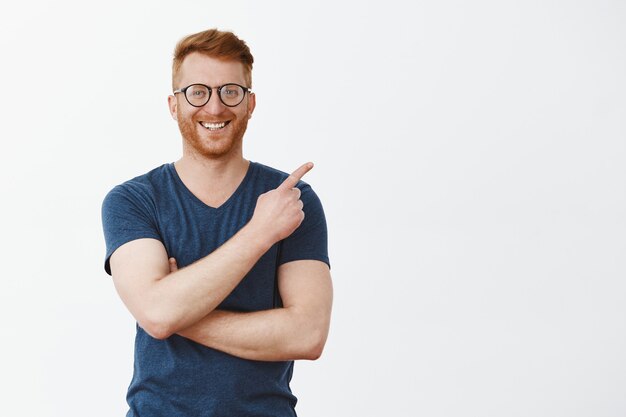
[(222, 261)]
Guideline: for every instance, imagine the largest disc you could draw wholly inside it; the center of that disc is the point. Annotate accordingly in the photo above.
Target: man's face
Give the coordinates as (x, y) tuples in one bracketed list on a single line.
[(193, 122)]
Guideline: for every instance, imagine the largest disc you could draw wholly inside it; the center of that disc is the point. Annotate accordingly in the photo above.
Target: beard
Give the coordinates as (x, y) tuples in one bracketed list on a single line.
[(204, 143)]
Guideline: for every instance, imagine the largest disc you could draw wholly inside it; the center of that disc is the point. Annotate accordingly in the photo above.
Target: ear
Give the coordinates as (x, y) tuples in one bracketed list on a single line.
[(251, 104), (173, 105)]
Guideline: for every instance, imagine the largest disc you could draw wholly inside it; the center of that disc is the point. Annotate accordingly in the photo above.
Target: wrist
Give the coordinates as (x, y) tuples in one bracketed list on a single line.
[(259, 236)]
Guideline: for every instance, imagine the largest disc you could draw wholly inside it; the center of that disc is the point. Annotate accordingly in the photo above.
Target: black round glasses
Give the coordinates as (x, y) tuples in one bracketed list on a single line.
[(230, 95)]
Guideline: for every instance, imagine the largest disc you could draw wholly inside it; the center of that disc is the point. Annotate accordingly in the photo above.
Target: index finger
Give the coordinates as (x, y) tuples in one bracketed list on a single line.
[(296, 176)]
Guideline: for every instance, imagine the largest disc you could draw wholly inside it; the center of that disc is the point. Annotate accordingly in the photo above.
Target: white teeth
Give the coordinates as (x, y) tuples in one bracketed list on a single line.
[(213, 126)]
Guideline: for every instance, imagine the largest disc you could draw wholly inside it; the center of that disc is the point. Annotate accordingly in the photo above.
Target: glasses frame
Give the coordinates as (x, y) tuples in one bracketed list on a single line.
[(219, 93)]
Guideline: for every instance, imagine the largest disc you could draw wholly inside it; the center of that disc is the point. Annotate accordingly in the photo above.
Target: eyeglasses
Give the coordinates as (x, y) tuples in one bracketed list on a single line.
[(230, 95)]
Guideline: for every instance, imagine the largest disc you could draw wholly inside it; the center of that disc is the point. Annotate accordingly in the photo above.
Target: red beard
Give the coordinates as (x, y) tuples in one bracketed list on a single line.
[(212, 144)]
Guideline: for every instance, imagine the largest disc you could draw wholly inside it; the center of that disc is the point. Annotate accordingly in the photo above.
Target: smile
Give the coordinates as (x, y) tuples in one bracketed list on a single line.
[(214, 126)]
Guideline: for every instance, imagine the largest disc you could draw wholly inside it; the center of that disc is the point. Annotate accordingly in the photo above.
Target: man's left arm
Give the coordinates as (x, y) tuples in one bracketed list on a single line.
[(298, 330)]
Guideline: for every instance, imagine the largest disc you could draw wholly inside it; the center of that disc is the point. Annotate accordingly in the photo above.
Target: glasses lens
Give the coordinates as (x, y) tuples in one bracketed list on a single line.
[(231, 94), (197, 95)]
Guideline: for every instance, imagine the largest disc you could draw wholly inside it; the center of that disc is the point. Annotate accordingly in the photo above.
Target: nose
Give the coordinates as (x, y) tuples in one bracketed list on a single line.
[(214, 105)]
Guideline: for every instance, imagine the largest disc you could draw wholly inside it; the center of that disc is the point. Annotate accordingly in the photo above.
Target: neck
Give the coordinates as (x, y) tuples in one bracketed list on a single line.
[(212, 174)]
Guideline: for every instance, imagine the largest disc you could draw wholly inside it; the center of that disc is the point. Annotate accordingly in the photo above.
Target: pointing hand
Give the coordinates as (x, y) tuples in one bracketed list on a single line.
[(278, 212)]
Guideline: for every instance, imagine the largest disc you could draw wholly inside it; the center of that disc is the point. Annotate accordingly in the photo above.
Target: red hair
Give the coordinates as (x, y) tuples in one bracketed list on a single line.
[(216, 44)]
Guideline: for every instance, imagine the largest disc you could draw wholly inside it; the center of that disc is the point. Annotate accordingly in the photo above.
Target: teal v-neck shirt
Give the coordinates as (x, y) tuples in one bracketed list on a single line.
[(176, 376)]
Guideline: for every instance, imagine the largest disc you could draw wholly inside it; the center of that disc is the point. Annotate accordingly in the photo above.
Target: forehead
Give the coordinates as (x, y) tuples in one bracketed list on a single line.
[(199, 68)]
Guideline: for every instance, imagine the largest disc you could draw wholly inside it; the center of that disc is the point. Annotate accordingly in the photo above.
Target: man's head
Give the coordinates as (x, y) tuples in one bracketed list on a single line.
[(211, 59)]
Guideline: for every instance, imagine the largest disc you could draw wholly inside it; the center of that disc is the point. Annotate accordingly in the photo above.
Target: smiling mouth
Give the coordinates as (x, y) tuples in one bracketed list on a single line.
[(214, 126)]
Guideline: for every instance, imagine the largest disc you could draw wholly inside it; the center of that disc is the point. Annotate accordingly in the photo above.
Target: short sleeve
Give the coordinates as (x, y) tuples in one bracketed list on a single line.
[(127, 214), (310, 239)]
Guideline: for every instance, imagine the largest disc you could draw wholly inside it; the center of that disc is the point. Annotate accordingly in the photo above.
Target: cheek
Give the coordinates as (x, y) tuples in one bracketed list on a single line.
[(185, 115)]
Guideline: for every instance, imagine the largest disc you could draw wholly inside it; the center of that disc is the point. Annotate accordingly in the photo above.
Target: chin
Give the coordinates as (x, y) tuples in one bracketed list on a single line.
[(212, 148)]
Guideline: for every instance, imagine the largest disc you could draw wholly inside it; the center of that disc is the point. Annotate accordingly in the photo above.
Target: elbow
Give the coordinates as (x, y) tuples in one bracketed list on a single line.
[(313, 354), (312, 334), (158, 331), (157, 327), (315, 346)]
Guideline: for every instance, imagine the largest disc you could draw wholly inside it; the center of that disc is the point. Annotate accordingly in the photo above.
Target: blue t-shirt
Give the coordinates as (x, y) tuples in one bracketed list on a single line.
[(179, 377)]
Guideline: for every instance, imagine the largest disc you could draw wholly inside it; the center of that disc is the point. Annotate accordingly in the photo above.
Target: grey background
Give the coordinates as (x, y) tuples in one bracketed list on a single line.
[(469, 155)]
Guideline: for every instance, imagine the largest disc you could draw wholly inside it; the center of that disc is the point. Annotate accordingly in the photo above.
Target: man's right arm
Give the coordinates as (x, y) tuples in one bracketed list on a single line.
[(164, 303)]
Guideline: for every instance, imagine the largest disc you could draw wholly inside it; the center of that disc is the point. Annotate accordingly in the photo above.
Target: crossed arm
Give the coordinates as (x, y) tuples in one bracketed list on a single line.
[(166, 300), (296, 331)]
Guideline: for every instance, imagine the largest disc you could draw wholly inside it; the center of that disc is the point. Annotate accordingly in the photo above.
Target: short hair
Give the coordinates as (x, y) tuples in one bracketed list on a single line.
[(216, 44)]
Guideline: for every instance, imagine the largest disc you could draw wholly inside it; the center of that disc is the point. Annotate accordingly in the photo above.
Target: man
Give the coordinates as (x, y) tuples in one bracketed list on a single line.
[(222, 261)]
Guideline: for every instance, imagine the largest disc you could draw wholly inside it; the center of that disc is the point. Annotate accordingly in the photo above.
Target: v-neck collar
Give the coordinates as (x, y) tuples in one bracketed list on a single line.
[(228, 201)]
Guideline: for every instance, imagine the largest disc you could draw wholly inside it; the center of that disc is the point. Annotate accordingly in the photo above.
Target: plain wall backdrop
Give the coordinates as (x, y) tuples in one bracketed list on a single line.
[(470, 157)]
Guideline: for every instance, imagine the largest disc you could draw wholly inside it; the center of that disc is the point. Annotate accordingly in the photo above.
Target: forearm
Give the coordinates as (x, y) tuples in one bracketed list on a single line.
[(271, 335), (184, 296)]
